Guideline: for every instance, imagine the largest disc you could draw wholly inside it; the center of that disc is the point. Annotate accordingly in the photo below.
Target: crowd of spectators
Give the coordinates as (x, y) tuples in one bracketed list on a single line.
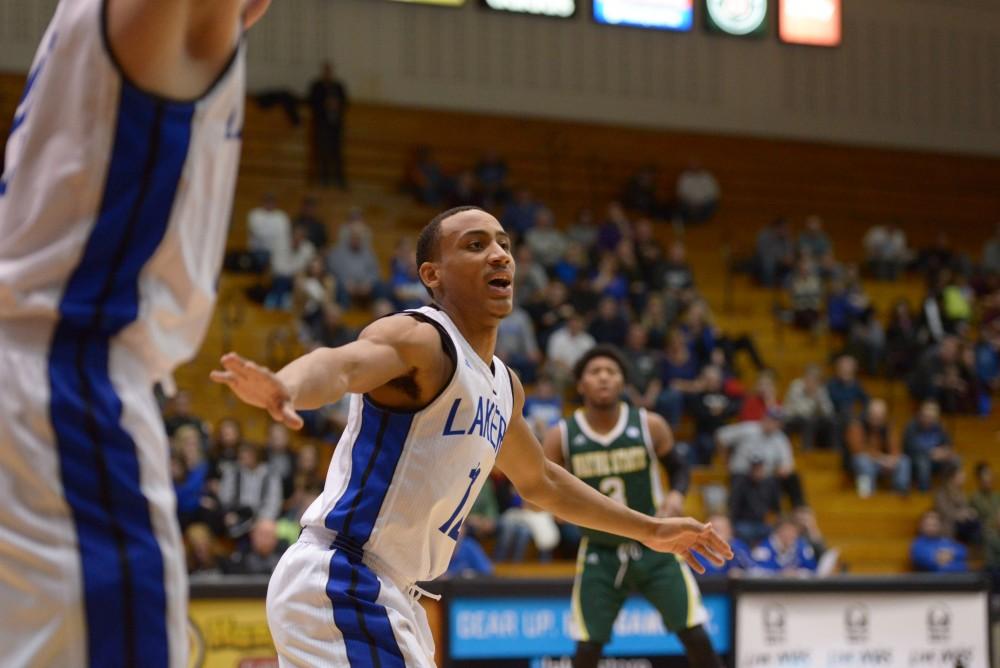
[(606, 278)]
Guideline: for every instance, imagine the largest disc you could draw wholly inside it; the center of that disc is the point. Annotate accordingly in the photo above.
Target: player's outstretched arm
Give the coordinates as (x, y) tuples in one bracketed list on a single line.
[(177, 48), (385, 350), (548, 485)]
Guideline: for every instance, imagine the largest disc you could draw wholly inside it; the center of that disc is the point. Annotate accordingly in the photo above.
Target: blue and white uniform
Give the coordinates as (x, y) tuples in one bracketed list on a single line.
[(398, 489), (114, 208)]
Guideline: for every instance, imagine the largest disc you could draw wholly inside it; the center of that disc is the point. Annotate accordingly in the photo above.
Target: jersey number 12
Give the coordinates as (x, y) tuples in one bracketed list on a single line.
[(454, 523)]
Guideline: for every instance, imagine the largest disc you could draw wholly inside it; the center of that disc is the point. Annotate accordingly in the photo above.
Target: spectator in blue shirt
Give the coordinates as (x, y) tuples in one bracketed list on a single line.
[(848, 397), (543, 408), (741, 560), (519, 215), (931, 552), (785, 552), (928, 445), (469, 559)]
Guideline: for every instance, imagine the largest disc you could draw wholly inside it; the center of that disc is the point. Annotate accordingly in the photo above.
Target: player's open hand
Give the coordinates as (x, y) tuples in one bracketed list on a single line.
[(684, 536), (258, 386)]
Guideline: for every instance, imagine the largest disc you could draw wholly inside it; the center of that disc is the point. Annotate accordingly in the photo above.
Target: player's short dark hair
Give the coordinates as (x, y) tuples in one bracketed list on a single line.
[(607, 351), (429, 237)]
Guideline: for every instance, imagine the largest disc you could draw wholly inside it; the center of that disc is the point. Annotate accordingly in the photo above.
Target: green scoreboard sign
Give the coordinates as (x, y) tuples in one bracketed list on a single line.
[(741, 18)]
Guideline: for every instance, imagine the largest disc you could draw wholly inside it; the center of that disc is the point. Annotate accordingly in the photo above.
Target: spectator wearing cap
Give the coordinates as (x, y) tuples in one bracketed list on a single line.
[(762, 441)]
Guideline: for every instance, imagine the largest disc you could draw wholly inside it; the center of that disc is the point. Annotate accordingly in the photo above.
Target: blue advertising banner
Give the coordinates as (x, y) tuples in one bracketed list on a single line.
[(662, 14), (512, 628)]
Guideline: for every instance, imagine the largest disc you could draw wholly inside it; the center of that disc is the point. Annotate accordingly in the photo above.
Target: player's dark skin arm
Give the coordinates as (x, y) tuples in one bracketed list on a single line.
[(678, 470), (177, 48)]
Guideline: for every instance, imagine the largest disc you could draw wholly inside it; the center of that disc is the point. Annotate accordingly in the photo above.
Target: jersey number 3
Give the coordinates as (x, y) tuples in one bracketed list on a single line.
[(614, 488), (454, 523)]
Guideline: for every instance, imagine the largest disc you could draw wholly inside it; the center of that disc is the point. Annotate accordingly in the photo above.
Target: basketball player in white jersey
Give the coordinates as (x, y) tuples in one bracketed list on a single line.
[(432, 411), (120, 170)]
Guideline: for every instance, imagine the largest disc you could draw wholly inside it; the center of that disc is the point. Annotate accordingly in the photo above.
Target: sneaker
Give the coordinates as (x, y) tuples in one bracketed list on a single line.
[(865, 486)]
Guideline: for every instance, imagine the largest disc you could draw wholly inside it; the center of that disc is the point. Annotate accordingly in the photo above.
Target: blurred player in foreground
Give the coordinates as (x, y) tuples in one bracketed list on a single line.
[(114, 208), (613, 447), (432, 411)]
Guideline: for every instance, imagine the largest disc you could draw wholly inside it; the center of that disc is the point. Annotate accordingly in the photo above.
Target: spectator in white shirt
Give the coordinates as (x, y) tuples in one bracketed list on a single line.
[(567, 345), (809, 411), (697, 194), (269, 230), (763, 442), (547, 242), (288, 261), (886, 253)]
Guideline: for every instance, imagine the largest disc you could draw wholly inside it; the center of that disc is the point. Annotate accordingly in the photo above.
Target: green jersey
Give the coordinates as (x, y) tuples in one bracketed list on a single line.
[(620, 464)]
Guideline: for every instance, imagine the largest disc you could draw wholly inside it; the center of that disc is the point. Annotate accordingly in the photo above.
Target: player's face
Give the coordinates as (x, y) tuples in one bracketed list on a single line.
[(602, 383), (476, 267)]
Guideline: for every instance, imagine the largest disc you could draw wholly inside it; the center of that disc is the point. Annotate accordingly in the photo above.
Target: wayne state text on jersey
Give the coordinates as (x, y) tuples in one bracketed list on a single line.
[(487, 422), (613, 462)]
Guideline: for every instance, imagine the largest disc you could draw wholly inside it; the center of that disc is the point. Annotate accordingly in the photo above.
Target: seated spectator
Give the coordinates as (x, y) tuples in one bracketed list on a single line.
[(315, 290), (679, 377), (931, 552), (762, 441), (287, 261), (805, 519), (491, 179), (866, 341), (309, 220), (609, 280), (752, 503), (813, 242), (179, 413), (248, 492), (464, 190), (519, 214), (406, 289), (845, 391), (202, 551), (656, 318), (987, 364), (332, 331), (542, 407), (517, 345), (697, 194), (263, 552), (676, 278), (937, 257), (640, 192), (785, 552), (583, 229), (610, 324), (902, 339), (268, 230), (469, 559), (805, 291), (711, 409), (774, 253), (547, 242), (228, 438), (518, 527), (741, 560), (809, 411), (704, 338), (991, 254), (280, 459), (565, 347), (873, 444), (927, 443), (530, 279), (354, 264), (425, 179), (886, 254), (616, 226), (763, 398), (959, 519), (985, 500), (190, 473), (644, 385), (550, 312), (957, 301), (636, 289)]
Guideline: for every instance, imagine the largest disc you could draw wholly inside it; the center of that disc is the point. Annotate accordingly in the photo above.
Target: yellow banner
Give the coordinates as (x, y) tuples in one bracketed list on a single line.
[(230, 633)]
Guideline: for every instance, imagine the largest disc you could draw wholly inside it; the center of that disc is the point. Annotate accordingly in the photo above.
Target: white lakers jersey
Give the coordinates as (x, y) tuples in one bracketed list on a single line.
[(400, 484), (115, 202)]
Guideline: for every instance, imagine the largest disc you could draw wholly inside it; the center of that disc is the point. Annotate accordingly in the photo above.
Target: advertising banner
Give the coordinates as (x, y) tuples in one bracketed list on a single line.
[(662, 14), (230, 633), (491, 629), (894, 630), (810, 22), (561, 9)]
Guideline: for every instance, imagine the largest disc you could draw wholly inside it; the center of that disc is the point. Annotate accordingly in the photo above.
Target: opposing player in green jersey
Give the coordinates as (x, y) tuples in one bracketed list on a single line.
[(614, 447)]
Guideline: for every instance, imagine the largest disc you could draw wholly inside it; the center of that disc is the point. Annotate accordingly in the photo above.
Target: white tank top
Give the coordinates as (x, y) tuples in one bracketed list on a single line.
[(400, 484), (115, 203)]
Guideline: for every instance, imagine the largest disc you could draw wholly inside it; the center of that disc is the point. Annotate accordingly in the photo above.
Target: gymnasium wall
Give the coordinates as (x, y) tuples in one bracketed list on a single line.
[(911, 73)]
